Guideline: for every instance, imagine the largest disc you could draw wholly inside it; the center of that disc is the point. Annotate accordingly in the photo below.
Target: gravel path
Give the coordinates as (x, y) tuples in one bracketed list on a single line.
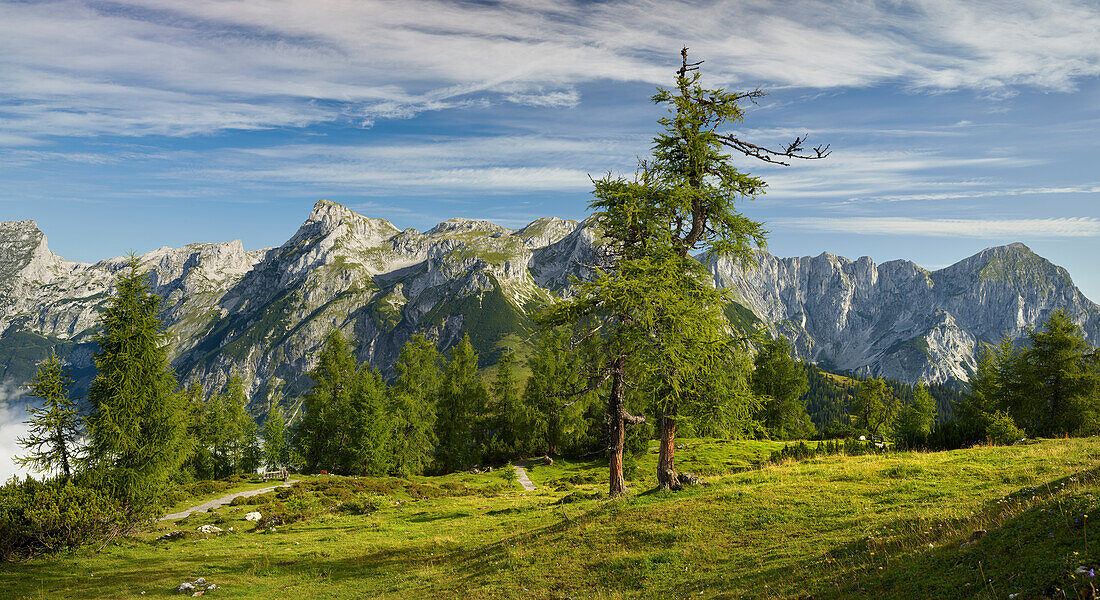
[(227, 499), (524, 480)]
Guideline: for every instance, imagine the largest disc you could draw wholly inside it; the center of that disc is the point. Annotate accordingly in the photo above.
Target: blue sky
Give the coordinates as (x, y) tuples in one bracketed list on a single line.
[(956, 125)]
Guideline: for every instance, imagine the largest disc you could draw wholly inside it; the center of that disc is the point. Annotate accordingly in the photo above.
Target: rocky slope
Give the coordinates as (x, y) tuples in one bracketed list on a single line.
[(901, 321), (264, 314)]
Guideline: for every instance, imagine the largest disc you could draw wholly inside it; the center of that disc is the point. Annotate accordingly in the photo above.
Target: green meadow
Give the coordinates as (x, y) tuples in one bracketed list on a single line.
[(984, 522)]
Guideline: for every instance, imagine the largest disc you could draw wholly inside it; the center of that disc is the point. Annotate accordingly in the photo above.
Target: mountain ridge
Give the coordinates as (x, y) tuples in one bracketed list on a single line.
[(264, 313)]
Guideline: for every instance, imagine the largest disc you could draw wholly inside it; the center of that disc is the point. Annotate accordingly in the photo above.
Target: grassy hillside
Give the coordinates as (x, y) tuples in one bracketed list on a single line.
[(894, 526)]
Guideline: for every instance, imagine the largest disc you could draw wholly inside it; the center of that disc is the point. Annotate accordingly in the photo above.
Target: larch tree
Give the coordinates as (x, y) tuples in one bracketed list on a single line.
[(1062, 379), (137, 416), (915, 420), (780, 382), (461, 405), (412, 400), (505, 392), (649, 298), (276, 452), (697, 191), (873, 406), (55, 429), (321, 436)]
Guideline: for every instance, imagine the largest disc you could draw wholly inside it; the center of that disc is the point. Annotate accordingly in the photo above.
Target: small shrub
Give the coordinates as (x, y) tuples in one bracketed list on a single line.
[(1003, 429), (38, 518)]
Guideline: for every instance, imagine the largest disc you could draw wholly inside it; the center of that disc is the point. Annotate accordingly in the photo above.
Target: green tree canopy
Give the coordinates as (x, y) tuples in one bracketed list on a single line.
[(780, 381), (54, 429), (137, 421), (412, 406)]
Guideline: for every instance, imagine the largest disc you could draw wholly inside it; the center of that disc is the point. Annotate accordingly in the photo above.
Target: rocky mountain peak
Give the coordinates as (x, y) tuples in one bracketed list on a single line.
[(330, 218)]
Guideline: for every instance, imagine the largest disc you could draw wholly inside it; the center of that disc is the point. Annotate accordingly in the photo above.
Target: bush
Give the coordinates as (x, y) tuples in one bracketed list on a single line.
[(1003, 429), (38, 518)]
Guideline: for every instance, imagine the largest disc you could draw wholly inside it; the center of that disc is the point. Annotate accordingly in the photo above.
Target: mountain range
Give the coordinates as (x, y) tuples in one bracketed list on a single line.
[(264, 313)]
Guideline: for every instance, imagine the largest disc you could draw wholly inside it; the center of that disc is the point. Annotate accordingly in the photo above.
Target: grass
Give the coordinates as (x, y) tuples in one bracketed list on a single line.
[(893, 526)]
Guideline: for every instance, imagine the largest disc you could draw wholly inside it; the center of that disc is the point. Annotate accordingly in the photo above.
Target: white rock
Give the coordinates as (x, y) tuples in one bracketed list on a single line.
[(253, 516)]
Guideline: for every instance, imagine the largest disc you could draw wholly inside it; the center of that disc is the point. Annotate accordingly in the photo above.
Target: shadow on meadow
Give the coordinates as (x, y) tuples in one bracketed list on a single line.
[(1029, 542)]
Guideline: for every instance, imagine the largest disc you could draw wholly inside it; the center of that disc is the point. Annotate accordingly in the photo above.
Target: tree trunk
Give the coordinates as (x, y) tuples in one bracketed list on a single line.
[(617, 434), (667, 478)]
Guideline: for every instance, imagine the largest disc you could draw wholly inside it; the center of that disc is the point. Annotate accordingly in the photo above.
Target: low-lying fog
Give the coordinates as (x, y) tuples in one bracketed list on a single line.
[(13, 425)]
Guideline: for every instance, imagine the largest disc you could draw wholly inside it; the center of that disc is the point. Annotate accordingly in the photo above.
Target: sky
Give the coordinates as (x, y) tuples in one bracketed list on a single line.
[(955, 125)]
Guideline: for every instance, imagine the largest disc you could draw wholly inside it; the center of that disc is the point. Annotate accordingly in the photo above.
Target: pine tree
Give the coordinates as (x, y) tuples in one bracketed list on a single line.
[(138, 419), (462, 403), (412, 401), (54, 429)]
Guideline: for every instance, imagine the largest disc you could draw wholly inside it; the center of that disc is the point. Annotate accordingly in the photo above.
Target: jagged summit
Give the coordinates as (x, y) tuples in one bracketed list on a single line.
[(265, 313)]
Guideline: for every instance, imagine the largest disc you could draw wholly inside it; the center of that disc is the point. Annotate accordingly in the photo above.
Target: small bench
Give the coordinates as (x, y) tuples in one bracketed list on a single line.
[(280, 474)]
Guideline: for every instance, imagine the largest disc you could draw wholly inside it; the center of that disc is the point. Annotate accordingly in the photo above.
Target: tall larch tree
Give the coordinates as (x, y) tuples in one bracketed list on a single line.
[(137, 417), (54, 430), (412, 400), (698, 191), (461, 404)]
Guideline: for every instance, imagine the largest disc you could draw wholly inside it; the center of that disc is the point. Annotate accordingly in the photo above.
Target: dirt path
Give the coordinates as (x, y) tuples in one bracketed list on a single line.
[(227, 499), (524, 480)]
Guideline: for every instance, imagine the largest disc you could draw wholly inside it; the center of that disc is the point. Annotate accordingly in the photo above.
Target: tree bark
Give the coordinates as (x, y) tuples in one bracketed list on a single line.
[(618, 419), (616, 409), (667, 478)]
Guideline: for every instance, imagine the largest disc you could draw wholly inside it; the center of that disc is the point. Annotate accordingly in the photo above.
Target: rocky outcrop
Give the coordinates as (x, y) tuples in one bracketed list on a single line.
[(901, 321)]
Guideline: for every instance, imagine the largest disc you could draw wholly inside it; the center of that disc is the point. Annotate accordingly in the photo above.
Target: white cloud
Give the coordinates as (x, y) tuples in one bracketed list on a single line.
[(967, 228), (181, 68), (13, 425)]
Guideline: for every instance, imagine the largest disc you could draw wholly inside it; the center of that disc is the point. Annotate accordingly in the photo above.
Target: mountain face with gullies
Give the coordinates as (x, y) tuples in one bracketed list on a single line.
[(898, 320), (264, 314)]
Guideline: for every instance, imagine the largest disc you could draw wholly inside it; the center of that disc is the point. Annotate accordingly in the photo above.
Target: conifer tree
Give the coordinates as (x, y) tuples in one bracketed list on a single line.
[(276, 452), (680, 202), (138, 419), (873, 406), (780, 381), (915, 420), (54, 429), (505, 392), (462, 403), (412, 402), (369, 424), (1062, 377), (321, 437), (199, 463)]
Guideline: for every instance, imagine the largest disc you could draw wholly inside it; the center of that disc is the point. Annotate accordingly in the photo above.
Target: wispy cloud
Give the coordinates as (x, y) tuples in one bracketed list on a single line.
[(1066, 227), (169, 68)]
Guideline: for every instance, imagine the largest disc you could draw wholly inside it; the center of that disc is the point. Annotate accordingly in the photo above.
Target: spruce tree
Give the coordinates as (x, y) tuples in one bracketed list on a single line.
[(138, 418), (412, 401), (54, 429)]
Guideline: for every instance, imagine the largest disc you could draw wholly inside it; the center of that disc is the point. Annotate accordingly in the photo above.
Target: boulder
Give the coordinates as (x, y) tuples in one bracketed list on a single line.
[(253, 516)]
